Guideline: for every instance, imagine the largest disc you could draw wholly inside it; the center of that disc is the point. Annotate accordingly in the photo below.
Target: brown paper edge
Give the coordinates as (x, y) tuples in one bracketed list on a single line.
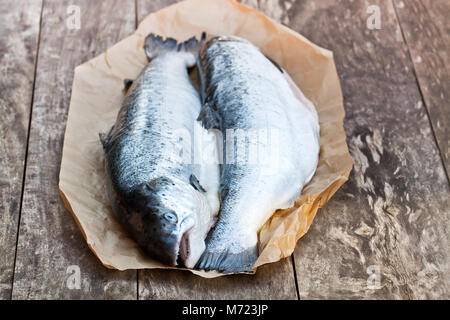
[(302, 204)]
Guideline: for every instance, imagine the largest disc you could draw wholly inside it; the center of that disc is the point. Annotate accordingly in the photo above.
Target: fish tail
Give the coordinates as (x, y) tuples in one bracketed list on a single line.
[(227, 262), (155, 45), (192, 44)]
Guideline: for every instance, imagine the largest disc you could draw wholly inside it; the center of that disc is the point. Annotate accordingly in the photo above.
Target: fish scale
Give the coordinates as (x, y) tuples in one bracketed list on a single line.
[(159, 196), (243, 90)]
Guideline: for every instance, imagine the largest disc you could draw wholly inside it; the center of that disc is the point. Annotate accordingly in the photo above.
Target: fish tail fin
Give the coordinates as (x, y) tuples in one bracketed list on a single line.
[(227, 262), (155, 45), (192, 44)]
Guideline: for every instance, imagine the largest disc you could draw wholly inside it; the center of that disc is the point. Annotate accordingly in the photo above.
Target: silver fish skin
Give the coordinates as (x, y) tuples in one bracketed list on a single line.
[(152, 184), (243, 91)]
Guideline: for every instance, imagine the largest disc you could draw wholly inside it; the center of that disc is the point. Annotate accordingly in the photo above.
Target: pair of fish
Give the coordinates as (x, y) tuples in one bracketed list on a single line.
[(207, 216)]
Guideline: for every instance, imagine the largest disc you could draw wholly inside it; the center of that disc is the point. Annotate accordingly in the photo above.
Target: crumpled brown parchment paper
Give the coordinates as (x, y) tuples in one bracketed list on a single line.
[(97, 95)]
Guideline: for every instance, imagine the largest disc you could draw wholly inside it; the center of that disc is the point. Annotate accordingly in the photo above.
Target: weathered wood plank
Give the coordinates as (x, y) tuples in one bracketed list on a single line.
[(275, 281), (426, 28), (18, 47), (392, 215), (53, 260)]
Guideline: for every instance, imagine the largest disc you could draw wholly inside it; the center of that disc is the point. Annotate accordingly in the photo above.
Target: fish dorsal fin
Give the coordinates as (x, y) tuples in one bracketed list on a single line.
[(196, 184)]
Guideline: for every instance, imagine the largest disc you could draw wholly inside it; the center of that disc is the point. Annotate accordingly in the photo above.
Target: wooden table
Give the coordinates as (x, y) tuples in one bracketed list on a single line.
[(390, 219)]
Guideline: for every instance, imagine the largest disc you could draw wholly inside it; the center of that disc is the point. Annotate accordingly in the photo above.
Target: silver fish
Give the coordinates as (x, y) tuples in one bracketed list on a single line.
[(155, 190), (243, 91)]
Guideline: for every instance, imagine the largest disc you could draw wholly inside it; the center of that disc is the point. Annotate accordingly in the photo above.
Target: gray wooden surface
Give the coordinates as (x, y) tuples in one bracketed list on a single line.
[(18, 45), (426, 29), (50, 246), (384, 235), (392, 215)]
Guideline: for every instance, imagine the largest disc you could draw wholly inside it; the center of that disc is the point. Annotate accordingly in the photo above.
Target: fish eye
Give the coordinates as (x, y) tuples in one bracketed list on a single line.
[(171, 217)]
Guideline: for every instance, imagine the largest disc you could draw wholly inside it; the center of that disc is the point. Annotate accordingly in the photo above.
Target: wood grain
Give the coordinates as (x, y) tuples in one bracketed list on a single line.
[(392, 215), (275, 281), (18, 47), (426, 28), (51, 250)]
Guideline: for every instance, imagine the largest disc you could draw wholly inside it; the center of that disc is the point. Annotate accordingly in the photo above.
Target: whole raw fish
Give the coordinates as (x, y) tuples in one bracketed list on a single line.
[(250, 100), (156, 191)]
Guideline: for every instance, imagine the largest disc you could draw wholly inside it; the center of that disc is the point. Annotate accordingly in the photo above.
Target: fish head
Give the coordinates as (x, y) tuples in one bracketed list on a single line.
[(163, 213)]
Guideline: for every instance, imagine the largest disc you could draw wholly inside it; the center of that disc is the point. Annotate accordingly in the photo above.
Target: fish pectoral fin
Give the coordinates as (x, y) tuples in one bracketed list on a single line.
[(104, 137), (196, 184), (227, 262), (127, 84)]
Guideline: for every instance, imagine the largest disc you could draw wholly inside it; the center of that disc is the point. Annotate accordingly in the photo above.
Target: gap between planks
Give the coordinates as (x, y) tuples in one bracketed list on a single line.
[(424, 103), (26, 148)]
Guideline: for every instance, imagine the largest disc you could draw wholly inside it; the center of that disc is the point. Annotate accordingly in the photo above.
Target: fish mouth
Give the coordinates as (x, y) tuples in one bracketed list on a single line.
[(184, 249), (184, 245)]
